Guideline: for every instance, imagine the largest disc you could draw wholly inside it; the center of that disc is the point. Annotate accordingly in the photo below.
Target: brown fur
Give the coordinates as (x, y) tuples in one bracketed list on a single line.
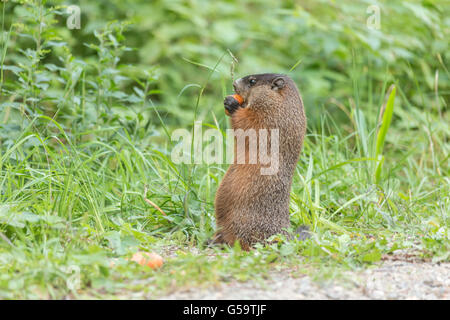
[(251, 207)]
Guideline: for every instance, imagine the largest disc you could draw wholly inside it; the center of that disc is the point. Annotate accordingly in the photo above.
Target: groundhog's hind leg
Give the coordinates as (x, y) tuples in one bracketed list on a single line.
[(217, 238), (220, 238)]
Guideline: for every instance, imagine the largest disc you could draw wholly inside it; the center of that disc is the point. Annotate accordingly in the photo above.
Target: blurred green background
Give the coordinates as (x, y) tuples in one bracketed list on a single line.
[(86, 117), (333, 50)]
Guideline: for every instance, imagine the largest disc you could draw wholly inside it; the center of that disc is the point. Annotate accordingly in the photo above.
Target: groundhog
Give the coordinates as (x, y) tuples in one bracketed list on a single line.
[(251, 206)]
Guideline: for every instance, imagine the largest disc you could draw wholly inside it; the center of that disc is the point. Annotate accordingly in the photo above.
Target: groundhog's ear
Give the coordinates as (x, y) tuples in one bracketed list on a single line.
[(278, 83)]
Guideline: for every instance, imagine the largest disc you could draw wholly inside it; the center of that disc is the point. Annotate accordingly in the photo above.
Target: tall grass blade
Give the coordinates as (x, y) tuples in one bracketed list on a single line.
[(381, 135)]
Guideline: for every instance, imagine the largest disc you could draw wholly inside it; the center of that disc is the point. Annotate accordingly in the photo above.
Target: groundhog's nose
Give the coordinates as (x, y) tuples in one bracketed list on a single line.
[(236, 85)]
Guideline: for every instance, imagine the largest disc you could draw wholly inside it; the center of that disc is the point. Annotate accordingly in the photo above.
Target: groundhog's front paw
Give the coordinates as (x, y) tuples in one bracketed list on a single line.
[(231, 105)]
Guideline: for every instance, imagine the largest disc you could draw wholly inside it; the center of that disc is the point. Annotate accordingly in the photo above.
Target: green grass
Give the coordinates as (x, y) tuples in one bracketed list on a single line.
[(85, 142)]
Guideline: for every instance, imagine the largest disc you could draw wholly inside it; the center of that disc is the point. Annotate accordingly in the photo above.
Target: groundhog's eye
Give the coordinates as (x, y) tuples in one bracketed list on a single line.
[(252, 81)]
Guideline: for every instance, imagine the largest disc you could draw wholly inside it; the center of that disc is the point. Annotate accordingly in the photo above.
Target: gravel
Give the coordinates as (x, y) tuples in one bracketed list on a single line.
[(393, 279)]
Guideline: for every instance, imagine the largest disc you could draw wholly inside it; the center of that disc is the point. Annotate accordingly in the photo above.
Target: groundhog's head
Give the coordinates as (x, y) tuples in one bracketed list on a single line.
[(265, 90)]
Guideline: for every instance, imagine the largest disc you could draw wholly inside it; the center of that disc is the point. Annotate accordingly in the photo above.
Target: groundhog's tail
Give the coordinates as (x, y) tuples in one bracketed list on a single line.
[(302, 232)]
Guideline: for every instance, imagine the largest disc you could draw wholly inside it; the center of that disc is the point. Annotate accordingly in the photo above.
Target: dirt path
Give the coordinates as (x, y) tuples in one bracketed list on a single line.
[(394, 279)]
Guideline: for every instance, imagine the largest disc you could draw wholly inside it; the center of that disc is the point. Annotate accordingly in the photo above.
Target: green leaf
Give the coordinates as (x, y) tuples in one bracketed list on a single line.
[(372, 256)]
